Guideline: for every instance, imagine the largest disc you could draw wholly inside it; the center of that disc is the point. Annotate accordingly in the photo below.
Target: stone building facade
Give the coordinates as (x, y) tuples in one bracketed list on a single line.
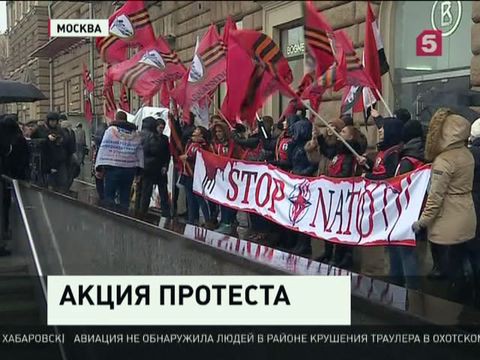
[(57, 64)]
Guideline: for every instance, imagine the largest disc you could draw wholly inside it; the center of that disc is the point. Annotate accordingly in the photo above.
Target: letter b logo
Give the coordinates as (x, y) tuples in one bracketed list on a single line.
[(429, 43)]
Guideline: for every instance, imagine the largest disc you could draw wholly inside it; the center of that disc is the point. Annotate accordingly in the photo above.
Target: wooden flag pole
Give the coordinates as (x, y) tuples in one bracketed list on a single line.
[(332, 129), (384, 102)]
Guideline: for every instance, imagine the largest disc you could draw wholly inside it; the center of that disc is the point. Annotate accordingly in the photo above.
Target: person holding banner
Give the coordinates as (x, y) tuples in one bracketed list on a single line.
[(449, 213), (343, 165), (297, 156), (383, 167), (195, 202), (403, 259), (224, 145)]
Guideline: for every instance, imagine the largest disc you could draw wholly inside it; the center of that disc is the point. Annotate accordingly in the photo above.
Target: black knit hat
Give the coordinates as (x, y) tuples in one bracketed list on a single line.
[(53, 116), (411, 130)]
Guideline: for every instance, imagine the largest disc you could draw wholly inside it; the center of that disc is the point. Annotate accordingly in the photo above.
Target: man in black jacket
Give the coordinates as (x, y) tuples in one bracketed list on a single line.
[(13, 163), (156, 152), (57, 150)]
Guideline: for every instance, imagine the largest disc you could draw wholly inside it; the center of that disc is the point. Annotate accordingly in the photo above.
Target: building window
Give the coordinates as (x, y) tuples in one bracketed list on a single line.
[(419, 79), (293, 48)]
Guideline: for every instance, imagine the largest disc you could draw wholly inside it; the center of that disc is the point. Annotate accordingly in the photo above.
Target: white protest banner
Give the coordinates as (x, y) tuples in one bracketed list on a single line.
[(352, 211)]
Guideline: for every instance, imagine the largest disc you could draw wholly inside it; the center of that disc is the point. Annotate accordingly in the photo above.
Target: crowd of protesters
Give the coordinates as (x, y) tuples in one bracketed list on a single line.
[(124, 158)]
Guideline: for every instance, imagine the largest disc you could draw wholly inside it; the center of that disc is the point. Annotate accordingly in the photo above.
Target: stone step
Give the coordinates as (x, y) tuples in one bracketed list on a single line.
[(16, 288), (13, 265), (21, 312)]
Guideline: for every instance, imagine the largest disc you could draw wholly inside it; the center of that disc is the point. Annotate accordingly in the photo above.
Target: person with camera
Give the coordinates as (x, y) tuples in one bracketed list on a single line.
[(56, 151)]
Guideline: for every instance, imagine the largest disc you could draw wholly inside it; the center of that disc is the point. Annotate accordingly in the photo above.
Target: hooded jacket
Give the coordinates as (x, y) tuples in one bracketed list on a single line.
[(449, 213), (121, 147), (156, 149), (344, 163), (386, 161), (413, 152), (227, 148), (297, 156)]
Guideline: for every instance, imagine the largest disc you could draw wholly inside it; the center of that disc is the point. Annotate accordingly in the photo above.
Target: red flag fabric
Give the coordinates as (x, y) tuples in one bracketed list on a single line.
[(148, 69), (88, 87), (229, 26), (350, 70), (130, 26), (371, 61), (318, 35), (165, 95), (262, 62), (123, 103), (207, 71), (293, 104), (109, 99)]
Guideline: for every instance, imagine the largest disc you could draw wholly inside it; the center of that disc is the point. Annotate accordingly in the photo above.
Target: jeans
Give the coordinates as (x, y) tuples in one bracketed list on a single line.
[(146, 186), (118, 180), (194, 203), (404, 266)]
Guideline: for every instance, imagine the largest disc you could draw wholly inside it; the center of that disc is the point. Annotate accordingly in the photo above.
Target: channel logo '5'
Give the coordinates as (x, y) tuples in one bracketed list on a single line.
[(429, 43)]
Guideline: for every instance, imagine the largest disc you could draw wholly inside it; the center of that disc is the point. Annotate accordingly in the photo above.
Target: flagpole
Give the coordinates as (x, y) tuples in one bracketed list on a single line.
[(261, 127), (384, 103)]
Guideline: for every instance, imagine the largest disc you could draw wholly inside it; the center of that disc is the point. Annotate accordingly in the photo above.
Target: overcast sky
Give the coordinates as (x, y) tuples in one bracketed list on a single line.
[(3, 16)]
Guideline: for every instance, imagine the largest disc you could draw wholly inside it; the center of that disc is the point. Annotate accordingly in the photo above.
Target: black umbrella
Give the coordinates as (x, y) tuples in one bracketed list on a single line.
[(15, 91)]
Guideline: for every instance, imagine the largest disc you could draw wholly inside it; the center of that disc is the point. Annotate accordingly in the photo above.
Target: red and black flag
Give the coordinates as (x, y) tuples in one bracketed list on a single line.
[(207, 71), (130, 26), (376, 63), (229, 26), (109, 105), (318, 38), (88, 87), (350, 69), (146, 72), (265, 67), (123, 103)]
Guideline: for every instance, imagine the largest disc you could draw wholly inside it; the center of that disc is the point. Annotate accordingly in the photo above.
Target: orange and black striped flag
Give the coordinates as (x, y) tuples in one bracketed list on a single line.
[(146, 72), (350, 69), (318, 39), (124, 103), (130, 26), (109, 105)]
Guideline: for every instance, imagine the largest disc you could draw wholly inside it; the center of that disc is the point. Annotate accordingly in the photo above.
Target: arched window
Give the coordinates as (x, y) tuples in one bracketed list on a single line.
[(419, 79)]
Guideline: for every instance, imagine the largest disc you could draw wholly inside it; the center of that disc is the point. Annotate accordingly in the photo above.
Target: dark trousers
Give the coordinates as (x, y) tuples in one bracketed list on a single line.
[(195, 203), (100, 186), (461, 265), (259, 223), (118, 181), (227, 215), (146, 190), (404, 266), (59, 179)]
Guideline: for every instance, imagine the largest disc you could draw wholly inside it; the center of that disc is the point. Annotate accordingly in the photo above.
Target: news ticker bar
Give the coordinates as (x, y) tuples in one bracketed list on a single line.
[(199, 300)]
